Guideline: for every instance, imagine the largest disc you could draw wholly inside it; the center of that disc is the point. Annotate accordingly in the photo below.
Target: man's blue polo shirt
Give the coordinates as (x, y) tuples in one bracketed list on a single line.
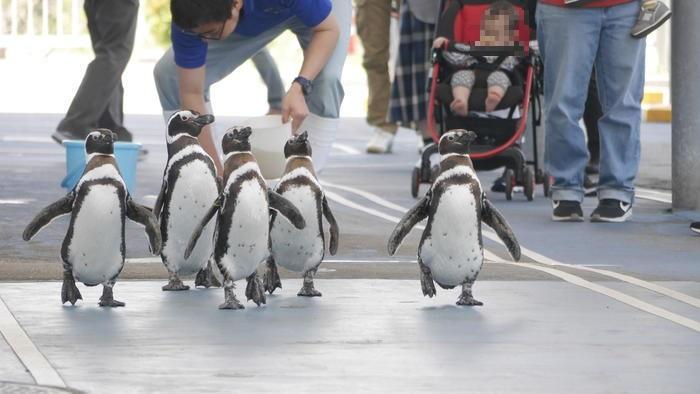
[(256, 17)]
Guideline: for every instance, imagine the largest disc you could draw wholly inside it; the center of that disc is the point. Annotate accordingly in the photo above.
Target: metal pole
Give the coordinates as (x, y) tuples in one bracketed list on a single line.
[(685, 89)]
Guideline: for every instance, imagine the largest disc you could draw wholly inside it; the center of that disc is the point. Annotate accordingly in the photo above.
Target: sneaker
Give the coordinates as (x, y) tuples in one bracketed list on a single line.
[(650, 19), (695, 227), (566, 211), (123, 134), (381, 142), (63, 135), (612, 211)]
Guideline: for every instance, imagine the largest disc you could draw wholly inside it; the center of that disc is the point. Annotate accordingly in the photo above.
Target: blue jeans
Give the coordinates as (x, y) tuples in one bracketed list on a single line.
[(224, 56), (571, 41)]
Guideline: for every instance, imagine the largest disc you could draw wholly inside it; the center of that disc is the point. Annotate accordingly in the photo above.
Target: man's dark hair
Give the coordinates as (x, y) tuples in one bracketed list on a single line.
[(190, 14)]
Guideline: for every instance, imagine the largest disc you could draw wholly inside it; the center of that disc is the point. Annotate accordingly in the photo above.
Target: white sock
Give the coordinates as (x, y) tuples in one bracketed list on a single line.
[(322, 133)]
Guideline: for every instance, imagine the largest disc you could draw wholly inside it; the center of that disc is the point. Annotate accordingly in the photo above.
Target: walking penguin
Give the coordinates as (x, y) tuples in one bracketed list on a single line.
[(451, 249), (93, 249), (189, 185), (243, 225), (300, 250)]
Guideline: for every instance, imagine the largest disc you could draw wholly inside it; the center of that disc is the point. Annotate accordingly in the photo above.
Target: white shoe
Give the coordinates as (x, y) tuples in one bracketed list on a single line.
[(381, 142)]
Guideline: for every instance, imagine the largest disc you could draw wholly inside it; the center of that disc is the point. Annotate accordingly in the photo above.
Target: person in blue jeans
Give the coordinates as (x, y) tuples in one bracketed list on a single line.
[(211, 38), (572, 41)]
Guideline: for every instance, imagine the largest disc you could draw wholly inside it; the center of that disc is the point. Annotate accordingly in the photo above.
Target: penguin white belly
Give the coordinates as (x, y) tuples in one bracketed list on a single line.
[(298, 250), (191, 197), (452, 251), (248, 236), (95, 249)]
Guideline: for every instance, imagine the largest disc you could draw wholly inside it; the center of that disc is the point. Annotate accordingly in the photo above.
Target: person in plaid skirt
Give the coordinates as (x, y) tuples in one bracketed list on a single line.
[(409, 91)]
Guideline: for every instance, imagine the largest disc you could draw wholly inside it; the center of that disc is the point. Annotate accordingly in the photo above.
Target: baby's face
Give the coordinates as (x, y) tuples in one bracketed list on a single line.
[(495, 31)]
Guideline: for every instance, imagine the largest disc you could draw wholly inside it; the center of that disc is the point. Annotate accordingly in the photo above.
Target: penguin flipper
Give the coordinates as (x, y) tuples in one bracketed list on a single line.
[(203, 223), (159, 201), (61, 207), (286, 209), (334, 231), (140, 214), (491, 216), (414, 216)]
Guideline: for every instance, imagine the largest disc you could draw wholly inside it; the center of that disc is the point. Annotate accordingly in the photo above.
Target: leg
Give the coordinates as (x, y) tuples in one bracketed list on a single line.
[(107, 298), (308, 290), (466, 297), (271, 279), (568, 59), (69, 291), (497, 82), (205, 277), (254, 290), (113, 25), (327, 95), (620, 77), (174, 283), (230, 301), (373, 19), (267, 68), (462, 83), (426, 279)]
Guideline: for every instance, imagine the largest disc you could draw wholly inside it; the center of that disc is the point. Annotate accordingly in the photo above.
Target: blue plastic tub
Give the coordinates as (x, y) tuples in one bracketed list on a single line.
[(126, 153)]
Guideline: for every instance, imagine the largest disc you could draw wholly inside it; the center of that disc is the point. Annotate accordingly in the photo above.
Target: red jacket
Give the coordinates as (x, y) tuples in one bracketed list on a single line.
[(591, 4)]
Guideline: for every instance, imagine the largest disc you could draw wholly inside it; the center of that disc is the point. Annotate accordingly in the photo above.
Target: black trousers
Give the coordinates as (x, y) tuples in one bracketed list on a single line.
[(591, 113), (99, 99)]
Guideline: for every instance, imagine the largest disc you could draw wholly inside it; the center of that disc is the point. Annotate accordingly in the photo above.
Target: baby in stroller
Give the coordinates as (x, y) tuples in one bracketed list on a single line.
[(498, 28)]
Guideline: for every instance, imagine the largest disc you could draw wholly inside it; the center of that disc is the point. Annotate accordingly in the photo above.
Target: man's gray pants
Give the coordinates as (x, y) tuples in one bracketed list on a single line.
[(99, 99)]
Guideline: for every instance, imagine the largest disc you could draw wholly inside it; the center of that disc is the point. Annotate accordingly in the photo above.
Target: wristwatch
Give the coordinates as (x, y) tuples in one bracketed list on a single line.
[(306, 85)]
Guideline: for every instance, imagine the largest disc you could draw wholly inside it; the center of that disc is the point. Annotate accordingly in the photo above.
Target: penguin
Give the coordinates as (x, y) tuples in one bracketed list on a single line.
[(451, 250), (243, 226), (189, 185), (93, 248), (300, 250)]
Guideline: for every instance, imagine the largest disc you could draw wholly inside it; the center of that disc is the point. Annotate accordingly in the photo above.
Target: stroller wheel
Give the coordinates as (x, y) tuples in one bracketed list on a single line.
[(547, 184), (529, 183), (415, 182), (509, 178)]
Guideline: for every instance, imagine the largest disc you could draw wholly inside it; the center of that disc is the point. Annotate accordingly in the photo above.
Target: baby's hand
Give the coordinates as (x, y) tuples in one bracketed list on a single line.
[(439, 42)]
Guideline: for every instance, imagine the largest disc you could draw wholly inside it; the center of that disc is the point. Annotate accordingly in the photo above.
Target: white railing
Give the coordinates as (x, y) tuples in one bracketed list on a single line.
[(43, 24)]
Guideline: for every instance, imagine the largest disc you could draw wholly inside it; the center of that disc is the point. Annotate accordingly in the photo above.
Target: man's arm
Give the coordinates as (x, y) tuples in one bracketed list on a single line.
[(323, 43), (192, 97)]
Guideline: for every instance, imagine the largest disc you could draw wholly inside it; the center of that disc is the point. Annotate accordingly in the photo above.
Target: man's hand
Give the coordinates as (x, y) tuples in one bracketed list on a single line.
[(294, 107)]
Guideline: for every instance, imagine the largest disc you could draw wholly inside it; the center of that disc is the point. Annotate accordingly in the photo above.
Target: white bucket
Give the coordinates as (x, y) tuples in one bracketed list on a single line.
[(267, 141)]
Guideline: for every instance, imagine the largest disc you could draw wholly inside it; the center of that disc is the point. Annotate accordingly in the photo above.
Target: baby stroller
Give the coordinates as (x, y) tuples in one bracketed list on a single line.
[(499, 138)]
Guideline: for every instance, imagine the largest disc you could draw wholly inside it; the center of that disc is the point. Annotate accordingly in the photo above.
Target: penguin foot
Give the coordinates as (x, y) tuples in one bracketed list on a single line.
[(427, 284), (108, 300), (206, 278), (70, 292), (271, 278), (175, 284), (230, 301), (231, 305), (255, 290), (468, 300), (111, 303), (307, 291)]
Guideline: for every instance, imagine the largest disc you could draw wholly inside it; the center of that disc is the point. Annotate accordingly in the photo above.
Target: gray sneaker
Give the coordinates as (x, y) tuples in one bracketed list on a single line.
[(650, 19)]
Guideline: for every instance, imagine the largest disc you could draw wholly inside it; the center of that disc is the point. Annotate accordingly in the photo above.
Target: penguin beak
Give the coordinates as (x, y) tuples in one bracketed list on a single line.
[(467, 137), (303, 137), (204, 120)]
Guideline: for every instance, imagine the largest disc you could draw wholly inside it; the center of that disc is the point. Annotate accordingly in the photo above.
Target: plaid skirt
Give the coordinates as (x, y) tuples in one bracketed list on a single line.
[(409, 91)]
